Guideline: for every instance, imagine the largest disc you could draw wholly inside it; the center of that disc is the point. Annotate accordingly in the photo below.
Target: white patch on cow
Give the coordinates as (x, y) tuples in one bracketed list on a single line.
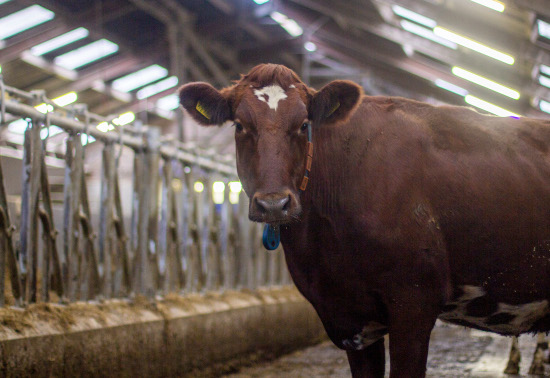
[(292, 86), (271, 95), (370, 334)]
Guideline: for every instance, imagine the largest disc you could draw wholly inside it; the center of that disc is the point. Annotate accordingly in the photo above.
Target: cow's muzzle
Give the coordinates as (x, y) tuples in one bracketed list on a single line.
[(274, 208)]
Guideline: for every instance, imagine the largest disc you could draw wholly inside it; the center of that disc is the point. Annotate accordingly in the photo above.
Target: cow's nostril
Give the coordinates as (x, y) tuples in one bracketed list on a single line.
[(286, 203), (261, 205)]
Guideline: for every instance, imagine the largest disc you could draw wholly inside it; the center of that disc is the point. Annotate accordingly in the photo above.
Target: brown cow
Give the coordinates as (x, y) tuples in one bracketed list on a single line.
[(412, 212)]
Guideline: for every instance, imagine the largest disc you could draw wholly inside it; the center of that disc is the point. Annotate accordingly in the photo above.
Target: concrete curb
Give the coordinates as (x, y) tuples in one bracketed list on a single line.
[(166, 338)]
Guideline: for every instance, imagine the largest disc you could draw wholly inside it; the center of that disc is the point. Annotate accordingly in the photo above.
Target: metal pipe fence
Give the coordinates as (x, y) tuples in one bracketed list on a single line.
[(172, 239)]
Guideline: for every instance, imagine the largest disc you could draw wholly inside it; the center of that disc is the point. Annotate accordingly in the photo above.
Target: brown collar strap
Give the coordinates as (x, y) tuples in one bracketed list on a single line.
[(309, 159)]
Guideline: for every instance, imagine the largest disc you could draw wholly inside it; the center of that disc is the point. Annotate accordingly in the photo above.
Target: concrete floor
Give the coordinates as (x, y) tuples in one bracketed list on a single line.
[(454, 352)]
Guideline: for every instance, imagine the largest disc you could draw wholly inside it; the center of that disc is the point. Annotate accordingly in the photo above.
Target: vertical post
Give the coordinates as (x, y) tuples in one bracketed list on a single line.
[(164, 225), (106, 229), (153, 158)]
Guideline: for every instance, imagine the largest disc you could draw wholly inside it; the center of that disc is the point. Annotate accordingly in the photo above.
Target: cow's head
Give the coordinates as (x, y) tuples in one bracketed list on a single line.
[(270, 108)]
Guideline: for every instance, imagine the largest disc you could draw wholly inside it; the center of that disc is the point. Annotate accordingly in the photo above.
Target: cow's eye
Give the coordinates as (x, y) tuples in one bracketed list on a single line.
[(238, 127), (304, 127)]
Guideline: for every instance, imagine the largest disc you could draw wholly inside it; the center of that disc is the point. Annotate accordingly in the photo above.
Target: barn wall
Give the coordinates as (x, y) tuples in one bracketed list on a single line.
[(163, 338)]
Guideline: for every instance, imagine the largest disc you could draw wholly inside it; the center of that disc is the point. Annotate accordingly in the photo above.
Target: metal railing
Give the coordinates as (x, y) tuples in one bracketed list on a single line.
[(173, 239)]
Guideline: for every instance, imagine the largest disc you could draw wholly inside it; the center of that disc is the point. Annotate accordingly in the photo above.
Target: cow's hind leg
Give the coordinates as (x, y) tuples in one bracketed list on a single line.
[(514, 358), (537, 366), (369, 362)]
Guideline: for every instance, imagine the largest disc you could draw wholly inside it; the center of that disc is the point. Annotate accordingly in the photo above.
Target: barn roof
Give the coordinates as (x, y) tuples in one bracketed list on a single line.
[(127, 57)]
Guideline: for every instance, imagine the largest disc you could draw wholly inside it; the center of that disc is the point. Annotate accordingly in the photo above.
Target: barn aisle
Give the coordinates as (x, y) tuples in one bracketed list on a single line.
[(454, 352)]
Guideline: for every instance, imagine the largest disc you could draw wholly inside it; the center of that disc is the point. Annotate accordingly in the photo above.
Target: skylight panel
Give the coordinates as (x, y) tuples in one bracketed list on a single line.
[(60, 41), (153, 89), (24, 19), (544, 106), (544, 69), (140, 78), (543, 80), (86, 54)]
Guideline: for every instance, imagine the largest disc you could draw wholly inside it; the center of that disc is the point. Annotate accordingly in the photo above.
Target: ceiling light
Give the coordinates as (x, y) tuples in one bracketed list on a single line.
[(3, 1), (413, 16), (153, 89), (86, 54), (543, 80), (288, 24), (426, 33), (124, 119), (60, 41), (104, 126), (492, 4), (544, 69), (543, 29), (484, 82), (544, 106), (451, 87), (65, 99), (261, 1), (198, 186), (50, 132), (487, 106), (140, 78), (24, 19), (18, 127), (473, 45), (310, 46), (169, 102), (44, 108)]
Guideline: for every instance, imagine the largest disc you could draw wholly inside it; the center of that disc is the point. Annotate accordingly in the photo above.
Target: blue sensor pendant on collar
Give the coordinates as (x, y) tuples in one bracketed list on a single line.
[(271, 237)]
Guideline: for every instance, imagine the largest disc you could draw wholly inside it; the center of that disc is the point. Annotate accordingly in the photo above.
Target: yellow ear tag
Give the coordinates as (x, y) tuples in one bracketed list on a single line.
[(202, 110), (334, 108)]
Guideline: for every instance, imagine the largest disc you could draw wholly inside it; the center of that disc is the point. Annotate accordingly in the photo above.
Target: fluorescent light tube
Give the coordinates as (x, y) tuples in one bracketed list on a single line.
[(261, 1), (492, 4), (139, 78), (451, 87), (153, 89), (86, 54), (473, 45), (288, 24), (60, 41), (544, 69), (170, 102), (484, 82), (65, 99), (24, 19), (543, 29), (543, 80), (544, 106), (426, 33), (413, 16), (491, 108)]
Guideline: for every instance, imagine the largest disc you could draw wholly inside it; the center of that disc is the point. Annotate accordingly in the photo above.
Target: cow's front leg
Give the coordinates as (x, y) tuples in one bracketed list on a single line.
[(410, 328), (369, 362)]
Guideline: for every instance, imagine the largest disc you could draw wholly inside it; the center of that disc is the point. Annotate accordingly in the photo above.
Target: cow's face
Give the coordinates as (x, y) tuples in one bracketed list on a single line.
[(271, 109)]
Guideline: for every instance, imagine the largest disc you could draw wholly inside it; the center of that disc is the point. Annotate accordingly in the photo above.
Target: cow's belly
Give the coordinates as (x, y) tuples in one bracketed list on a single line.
[(474, 308)]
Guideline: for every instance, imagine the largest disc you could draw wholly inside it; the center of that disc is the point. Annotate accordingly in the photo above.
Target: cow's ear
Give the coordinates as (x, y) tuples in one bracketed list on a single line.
[(335, 102), (205, 103)]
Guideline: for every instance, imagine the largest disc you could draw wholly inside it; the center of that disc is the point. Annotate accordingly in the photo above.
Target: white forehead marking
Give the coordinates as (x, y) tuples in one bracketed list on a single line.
[(271, 95)]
